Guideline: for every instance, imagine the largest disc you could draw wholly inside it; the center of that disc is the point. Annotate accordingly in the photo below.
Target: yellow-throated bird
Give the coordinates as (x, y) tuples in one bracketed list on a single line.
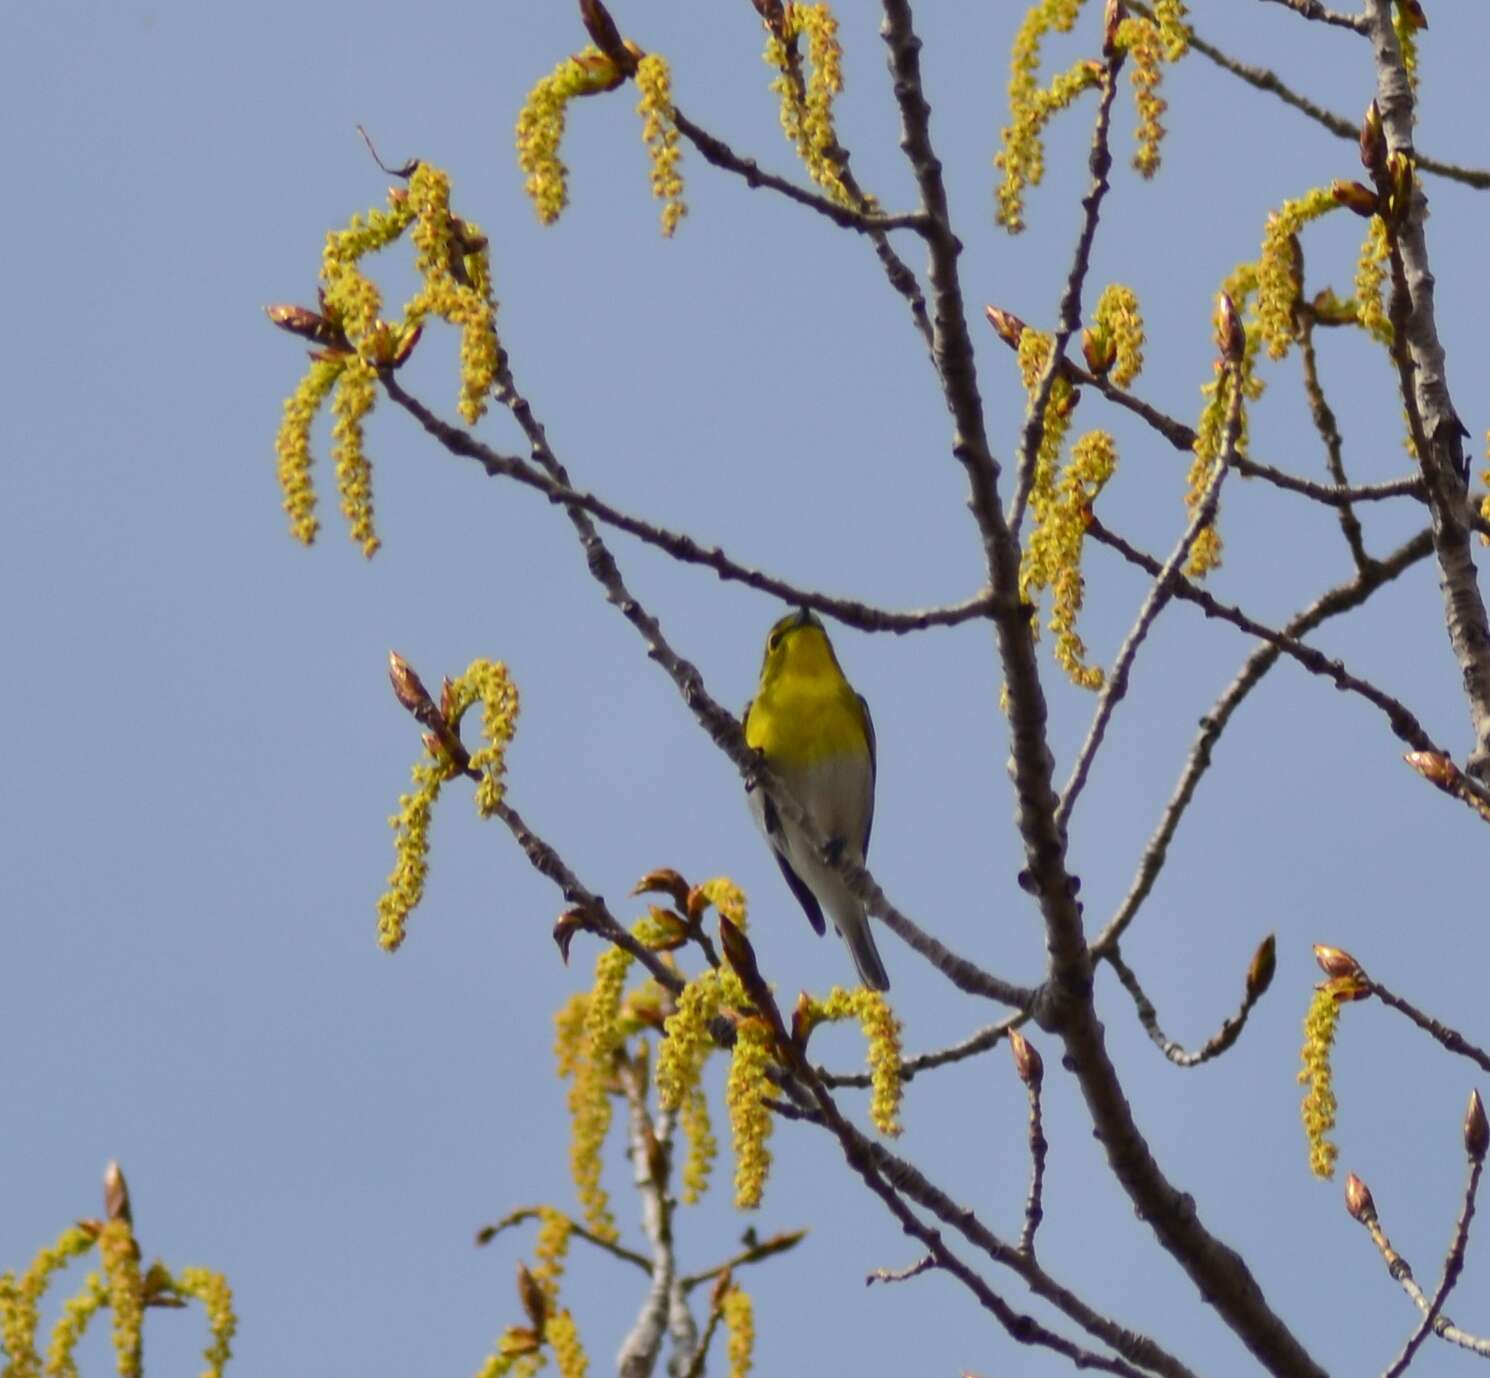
[(816, 734)]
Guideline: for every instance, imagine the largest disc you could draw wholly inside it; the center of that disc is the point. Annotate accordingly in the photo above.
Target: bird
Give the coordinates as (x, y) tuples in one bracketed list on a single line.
[(810, 726)]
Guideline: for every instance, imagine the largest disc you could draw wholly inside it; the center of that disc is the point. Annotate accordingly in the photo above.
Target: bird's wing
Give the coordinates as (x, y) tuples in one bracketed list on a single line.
[(770, 824), (869, 813)]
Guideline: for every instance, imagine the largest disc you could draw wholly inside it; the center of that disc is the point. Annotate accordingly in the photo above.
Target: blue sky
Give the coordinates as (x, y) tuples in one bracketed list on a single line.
[(203, 751)]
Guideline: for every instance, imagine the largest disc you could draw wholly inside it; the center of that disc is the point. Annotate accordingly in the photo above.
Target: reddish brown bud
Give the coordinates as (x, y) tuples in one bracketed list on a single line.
[(606, 36), (805, 1018), (308, 324), (1355, 196), (1112, 17), (674, 932), (740, 954), (409, 689), (1436, 768), (1476, 1128), (535, 1304), (405, 347), (1231, 339), (1336, 963), (725, 1281), (1412, 12), (664, 881), (1006, 325), (1028, 1064), (570, 922), (656, 1159), (1358, 1199), (1372, 140), (116, 1194), (1264, 964), (517, 1341), (1399, 175)]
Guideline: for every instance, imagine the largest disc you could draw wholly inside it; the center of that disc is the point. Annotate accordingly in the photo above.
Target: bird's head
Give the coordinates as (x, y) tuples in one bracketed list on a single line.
[(797, 644)]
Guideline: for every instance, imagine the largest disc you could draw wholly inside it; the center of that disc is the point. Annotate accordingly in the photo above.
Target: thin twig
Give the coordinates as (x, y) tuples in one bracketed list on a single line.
[(714, 150), (489, 1232), (1312, 9), (1403, 722), (755, 1253), (1401, 1273), (681, 546), (990, 1036), (1341, 599), (924, 1264), (1213, 1047), (1441, 1033), (1262, 79), (1453, 1265), (1068, 318), (1329, 433), (1034, 1201), (1159, 594)]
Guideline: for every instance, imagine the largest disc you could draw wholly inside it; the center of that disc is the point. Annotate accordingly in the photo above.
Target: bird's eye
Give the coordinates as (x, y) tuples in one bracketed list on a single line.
[(773, 641)]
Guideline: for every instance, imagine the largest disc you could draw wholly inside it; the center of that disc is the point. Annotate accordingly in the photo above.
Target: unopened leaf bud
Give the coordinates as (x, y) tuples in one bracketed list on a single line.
[(1029, 1066), (664, 881), (518, 1341), (1476, 1128), (1335, 962), (1358, 1199), (116, 1194), (1432, 766), (725, 1281), (805, 1018), (308, 324), (1354, 196), (1413, 14), (570, 922), (530, 1293), (409, 689), (1007, 326), (1264, 964), (1372, 140), (1231, 339), (1112, 18), (740, 953), (1099, 349)]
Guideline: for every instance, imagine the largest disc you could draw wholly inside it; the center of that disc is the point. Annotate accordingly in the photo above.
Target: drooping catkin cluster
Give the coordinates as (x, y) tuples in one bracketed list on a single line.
[(488, 683), (1319, 1106), (807, 98), (357, 345), (739, 1325), (1370, 275), (881, 1030), (541, 123), (1279, 268), (1147, 44), (119, 1285), (1061, 498)]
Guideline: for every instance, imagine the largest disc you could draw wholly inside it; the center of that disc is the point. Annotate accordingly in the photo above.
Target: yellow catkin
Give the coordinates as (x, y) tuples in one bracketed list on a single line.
[(750, 1121), (1146, 48), (411, 850), (540, 127), (1278, 277), (687, 1043), (512, 1345), (1035, 570), (1319, 1106), (1060, 532), (454, 265), (212, 1291), (1021, 156), (739, 1325), (1370, 274), (77, 1313), (660, 133), (562, 1336), (807, 102), (20, 1310), (551, 1250), (121, 1265), (726, 897), (703, 1148), (292, 446), (487, 682), (1407, 41), (1174, 33), (881, 1030), (356, 392)]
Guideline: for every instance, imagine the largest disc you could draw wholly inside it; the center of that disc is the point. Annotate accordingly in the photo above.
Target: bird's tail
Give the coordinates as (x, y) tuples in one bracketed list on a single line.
[(854, 928)]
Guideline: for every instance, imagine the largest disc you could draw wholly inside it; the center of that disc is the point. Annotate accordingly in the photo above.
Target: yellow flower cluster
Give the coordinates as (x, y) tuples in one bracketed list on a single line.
[(1406, 26), (1021, 157), (292, 446), (20, 1310), (540, 126), (881, 1030), (750, 1121), (1174, 33), (725, 896), (356, 391), (660, 132), (411, 849), (1093, 461), (1370, 274), (77, 1313), (1319, 1100), (562, 1336), (807, 104), (703, 1148), (686, 1044), (1147, 48), (551, 1249), (739, 1325), (1278, 267), (452, 259), (485, 681), (516, 1352), (212, 1290), (120, 1256), (1118, 320)]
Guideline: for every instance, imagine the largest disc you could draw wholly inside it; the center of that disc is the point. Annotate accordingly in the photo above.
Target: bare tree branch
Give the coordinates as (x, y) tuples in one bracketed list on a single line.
[(1213, 1047), (1312, 9), (1329, 433), (985, 1038), (1451, 1039), (489, 1232), (1338, 600)]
